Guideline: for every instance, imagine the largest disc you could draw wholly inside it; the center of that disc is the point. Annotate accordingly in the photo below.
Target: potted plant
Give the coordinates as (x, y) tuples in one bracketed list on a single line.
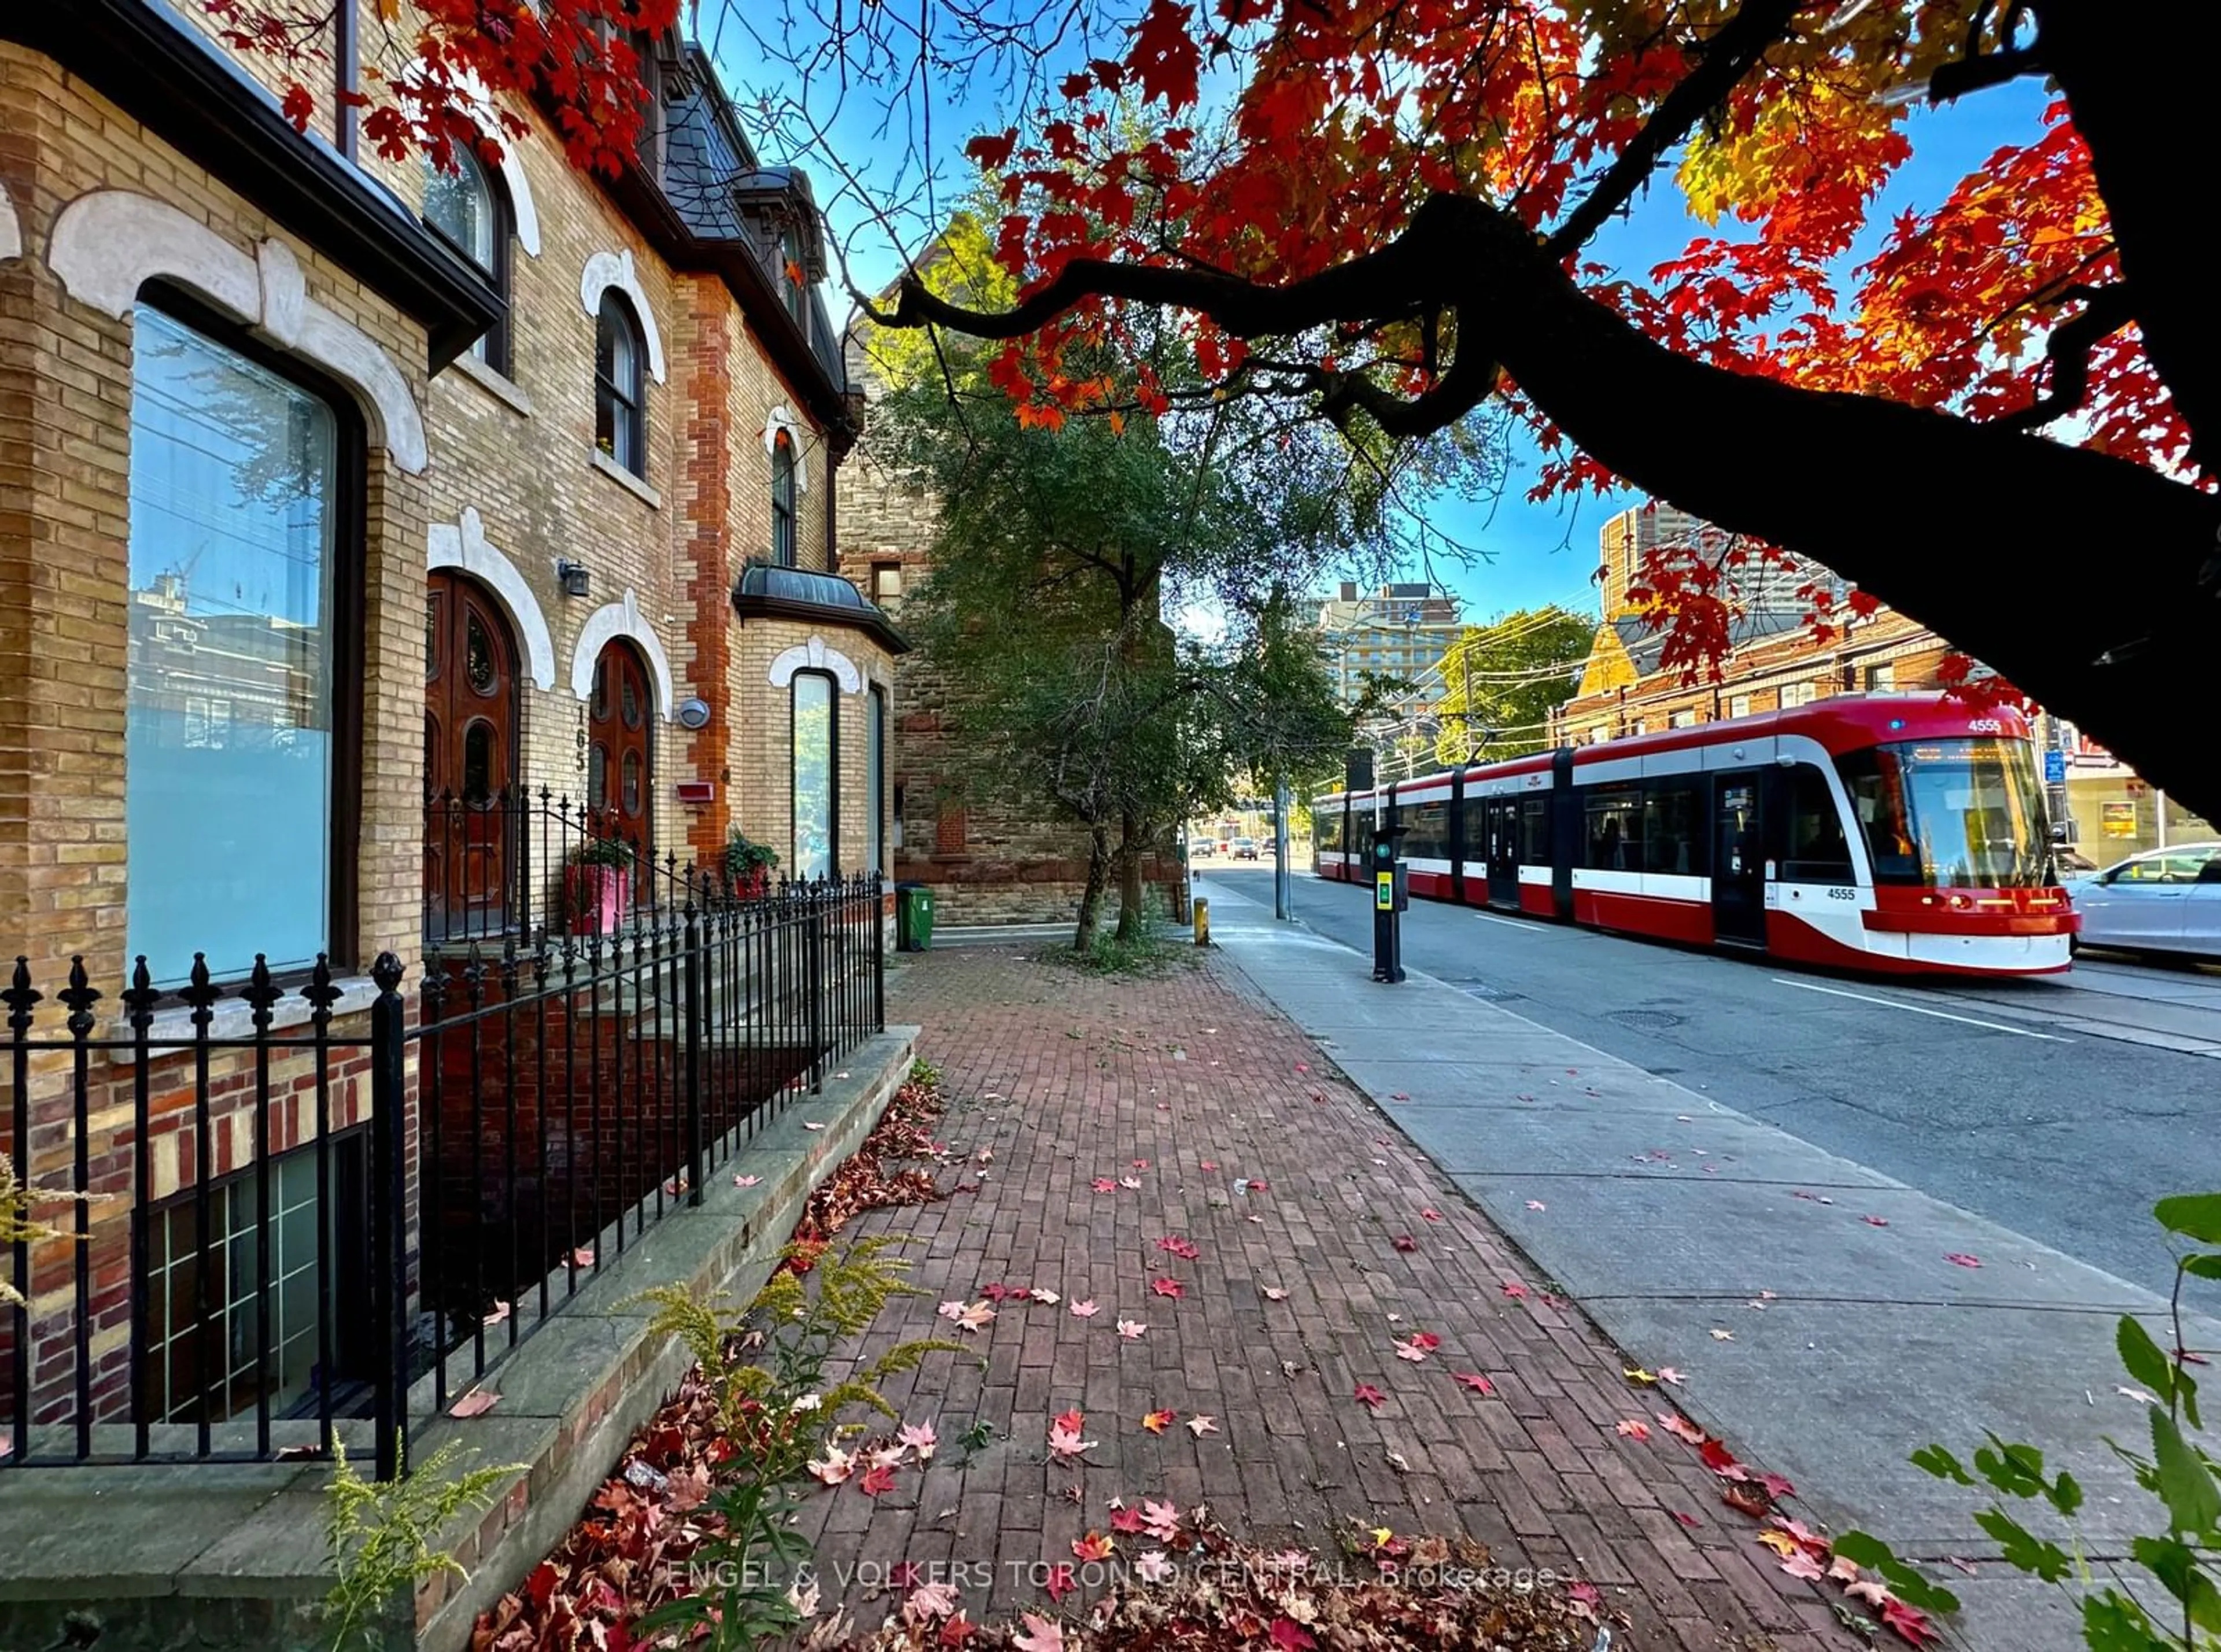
[(748, 865), (599, 885)]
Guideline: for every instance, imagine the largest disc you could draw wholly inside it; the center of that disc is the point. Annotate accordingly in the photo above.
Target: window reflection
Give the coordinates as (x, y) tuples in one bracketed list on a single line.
[(230, 708), (813, 775)]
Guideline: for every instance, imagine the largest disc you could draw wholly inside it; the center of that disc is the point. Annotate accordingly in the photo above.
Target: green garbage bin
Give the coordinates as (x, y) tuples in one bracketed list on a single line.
[(913, 918)]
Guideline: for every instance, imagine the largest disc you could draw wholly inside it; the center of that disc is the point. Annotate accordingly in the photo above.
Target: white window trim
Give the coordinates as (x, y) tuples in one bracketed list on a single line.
[(524, 211), (106, 246), (11, 234), (462, 546), (603, 626), (607, 270), (814, 655), (780, 419)]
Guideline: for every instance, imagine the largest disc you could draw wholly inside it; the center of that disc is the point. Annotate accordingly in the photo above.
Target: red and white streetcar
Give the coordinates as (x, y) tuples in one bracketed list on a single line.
[(1897, 834)]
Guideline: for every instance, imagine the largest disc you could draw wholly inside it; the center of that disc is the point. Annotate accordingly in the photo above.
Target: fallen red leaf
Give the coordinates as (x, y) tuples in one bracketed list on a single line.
[(1430, 1214), (1874, 1221), (1405, 1242), (1473, 1380), (1168, 1287), (1909, 1621), (1513, 1289), (1962, 1260), (1682, 1428), (1743, 1500), (1157, 1422), (1126, 1520), (1368, 1395), (1291, 1635), (1687, 1519), (1720, 1461), (1060, 1581), (877, 1480), (1776, 1486)]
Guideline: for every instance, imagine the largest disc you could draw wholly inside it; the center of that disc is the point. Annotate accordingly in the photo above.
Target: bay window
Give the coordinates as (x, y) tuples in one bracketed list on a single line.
[(815, 759)]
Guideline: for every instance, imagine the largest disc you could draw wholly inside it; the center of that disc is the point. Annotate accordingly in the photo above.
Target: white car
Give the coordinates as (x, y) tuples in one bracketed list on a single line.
[(2163, 900)]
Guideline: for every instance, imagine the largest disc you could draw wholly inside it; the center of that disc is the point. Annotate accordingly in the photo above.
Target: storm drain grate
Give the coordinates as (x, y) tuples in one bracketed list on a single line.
[(1648, 1020)]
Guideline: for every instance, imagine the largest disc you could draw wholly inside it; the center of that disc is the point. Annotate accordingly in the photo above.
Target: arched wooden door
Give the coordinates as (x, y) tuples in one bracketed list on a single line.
[(469, 759), (620, 752)]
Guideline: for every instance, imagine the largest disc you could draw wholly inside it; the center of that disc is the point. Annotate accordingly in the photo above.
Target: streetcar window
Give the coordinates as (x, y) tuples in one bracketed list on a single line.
[(1429, 837), (1477, 845), (1328, 828), (1535, 832), (1949, 813), (1672, 827), (1615, 829), (1818, 851)]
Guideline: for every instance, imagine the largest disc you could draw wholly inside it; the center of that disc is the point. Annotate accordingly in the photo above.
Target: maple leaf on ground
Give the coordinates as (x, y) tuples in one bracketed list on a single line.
[(1875, 1221), (1430, 1214), (583, 1256), (1126, 1520), (1743, 1500), (1473, 1380), (1963, 1261), (1199, 1426), (1840, 1570), (1040, 1635), (1537, 1205), (1131, 1329), (1140, 1164), (1153, 1568), (1410, 1351), (1633, 1428), (1681, 1428), (1085, 1310), (1093, 1547), (1648, 1379), (1667, 1374), (1158, 1422), (1720, 1461), (1719, 1335), (919, 1437), (1168, 1287), (1046, 1298), (477, 1402), (1185, 1249), (500, 1312), (1405, 1242), (1801, 1565), (1067, 1443), (1275, 1294), (1688, 1520), (876, 1480), (1776, 1486), (745, 1181), (834, 1467), (1870, 1592), (1075, 1419), (1129, 1183), (974, 1317), (1211, 1164), (1160, 1519), (1513, 1289), (1368, 1395), (1909, 1621), (1291, 1635), (929, 1601), (1104, 1184)]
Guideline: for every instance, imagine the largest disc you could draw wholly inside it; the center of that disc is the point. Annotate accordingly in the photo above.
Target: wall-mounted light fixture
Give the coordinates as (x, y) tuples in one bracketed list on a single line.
[(576, 581), (693, 714)]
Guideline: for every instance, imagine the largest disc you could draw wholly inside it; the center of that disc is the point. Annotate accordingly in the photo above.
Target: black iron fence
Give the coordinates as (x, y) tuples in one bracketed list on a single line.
[(321, 1207), (514, 861)]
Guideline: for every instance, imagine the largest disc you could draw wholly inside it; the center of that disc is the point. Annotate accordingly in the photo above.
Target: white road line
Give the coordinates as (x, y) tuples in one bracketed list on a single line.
[(1509, 922), (1915, 1009)]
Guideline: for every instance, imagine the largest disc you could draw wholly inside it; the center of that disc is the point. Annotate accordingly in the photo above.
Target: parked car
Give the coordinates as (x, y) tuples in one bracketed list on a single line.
[(1245, 848), (1200, 850), (2164, 900)]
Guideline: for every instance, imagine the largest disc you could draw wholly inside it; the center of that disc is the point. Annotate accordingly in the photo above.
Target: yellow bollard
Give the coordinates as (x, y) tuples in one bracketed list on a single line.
[(1202, 922)]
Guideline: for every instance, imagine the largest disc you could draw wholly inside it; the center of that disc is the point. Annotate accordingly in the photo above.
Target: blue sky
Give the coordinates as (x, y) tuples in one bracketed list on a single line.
[(1530, 554)]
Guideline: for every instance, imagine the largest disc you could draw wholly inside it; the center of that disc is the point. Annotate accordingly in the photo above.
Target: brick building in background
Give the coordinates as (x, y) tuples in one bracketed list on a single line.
[(992, 854), (344, 505)]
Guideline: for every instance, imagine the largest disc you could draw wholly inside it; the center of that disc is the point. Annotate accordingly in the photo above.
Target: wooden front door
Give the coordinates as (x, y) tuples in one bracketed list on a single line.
[(470, 758), (620, 777)]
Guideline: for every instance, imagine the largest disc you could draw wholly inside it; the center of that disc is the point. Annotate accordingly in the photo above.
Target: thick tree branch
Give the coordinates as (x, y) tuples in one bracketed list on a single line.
[(1726, 57), (2104, 311), (2145, 114)]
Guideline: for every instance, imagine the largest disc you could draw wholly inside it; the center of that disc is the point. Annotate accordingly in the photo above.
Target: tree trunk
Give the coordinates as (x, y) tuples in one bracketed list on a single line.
[(1098, 875), (1130, 844)]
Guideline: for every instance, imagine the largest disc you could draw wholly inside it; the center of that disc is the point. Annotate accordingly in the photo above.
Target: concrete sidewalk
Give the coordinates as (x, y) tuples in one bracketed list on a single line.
[(1669, 1218)]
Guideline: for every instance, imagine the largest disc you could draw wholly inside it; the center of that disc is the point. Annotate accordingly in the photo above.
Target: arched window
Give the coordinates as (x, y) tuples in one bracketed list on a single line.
[(620, 385), (470, 212), (782, 541)]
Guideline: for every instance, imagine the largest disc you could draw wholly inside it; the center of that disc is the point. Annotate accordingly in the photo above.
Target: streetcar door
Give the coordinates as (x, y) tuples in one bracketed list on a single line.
[(1504, 852), (1738, 858)]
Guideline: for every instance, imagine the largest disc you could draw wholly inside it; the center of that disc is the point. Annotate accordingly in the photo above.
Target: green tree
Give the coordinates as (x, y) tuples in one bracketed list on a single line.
[(1501, 682)]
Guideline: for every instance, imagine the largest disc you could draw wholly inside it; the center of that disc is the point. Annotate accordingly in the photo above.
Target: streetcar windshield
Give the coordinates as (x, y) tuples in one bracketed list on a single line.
[(1952, 813)]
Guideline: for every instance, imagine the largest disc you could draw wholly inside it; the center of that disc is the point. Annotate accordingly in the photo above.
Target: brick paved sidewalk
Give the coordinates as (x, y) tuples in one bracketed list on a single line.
[(1065, 1079)]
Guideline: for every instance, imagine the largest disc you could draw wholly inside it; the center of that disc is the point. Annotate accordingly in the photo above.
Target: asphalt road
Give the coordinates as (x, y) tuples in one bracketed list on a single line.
[(2061, 1108)]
